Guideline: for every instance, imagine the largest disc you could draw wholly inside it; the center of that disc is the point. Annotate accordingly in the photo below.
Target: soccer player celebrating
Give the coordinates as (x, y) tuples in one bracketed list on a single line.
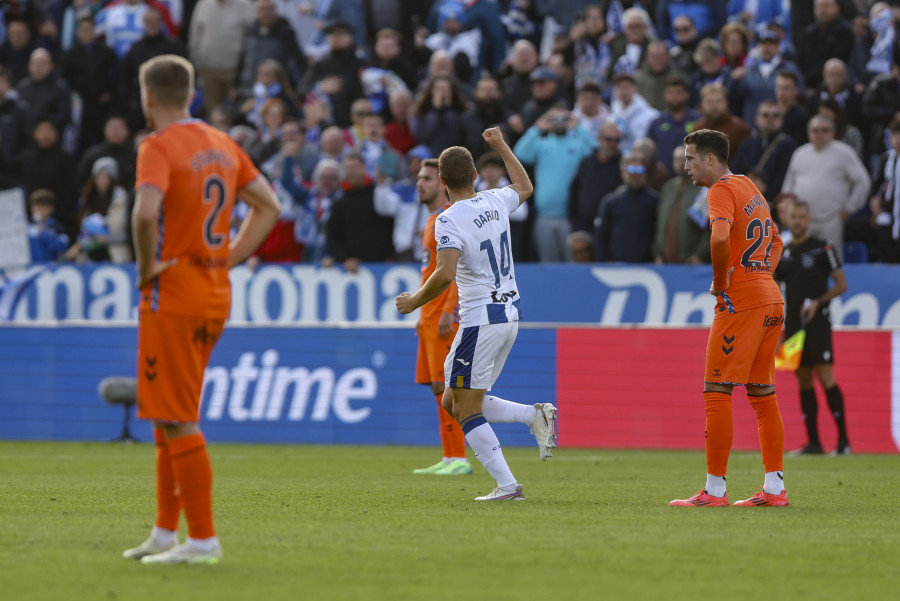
[(188, 174), (805, 267), (473, 248), (749, 314), (437, 325)]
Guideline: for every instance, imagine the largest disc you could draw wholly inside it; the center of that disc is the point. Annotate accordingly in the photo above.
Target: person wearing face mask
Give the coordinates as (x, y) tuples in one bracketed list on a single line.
[(626, 220), (554, 145)]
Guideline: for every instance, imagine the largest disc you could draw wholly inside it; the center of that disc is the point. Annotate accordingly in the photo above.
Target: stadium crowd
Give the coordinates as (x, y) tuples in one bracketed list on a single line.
[(339, 101)]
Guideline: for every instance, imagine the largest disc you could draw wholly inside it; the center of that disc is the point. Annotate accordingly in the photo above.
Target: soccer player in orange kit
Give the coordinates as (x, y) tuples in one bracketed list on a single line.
[(438, 323), (749, 315), (188, 174)]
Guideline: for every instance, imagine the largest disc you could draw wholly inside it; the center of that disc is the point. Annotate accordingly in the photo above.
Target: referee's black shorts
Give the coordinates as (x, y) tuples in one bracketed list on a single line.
[(818, 347)]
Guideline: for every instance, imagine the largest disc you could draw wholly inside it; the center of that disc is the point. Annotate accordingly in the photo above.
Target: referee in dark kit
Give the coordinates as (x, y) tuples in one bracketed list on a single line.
[(805, 268)]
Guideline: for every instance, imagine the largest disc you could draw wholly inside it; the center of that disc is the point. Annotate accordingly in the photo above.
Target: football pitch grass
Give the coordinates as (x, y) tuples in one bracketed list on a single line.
[(333, 523)]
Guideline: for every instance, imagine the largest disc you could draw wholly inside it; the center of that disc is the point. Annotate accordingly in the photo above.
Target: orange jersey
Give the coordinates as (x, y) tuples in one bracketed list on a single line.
[(199, 170), (755, 244), (448, 301)]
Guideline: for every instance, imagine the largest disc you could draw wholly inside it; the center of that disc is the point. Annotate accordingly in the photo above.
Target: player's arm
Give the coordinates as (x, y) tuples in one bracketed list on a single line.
[(521, 183), (448, 312), (261, 217), (720, 249), (443, 275), (144, 220)]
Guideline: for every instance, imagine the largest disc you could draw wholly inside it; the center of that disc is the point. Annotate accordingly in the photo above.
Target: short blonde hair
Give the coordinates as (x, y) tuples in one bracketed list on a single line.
[(170, 78), (457, 167)]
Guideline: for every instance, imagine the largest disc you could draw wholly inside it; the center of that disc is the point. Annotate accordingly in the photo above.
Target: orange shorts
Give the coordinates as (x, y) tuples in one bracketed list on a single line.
[(432, 352), (173, 351), (741, 347)]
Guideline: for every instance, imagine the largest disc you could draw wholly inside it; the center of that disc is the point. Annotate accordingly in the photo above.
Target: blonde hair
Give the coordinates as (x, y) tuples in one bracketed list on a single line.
[(170, 78)]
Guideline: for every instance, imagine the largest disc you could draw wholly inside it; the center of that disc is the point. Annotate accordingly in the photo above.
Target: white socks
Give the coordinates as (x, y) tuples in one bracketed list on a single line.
[(163, 536), (204, 544), (487, 449), (774, 483), (496, 411), (715, 485)]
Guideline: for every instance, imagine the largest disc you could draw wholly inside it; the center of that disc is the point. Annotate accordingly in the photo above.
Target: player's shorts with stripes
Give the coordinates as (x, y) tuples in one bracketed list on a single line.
[(478, 354)]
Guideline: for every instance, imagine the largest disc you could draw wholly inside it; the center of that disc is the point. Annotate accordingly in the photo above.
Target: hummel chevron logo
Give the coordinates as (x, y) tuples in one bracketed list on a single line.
[(150, 375), (466, 363), (151, 361), (727, 349), (728, 341)]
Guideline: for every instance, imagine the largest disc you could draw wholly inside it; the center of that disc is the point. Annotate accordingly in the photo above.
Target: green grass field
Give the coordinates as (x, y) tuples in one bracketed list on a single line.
[(333, 523)]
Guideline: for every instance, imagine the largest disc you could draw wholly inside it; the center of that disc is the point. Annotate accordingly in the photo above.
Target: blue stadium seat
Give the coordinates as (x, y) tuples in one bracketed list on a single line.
[(856, 252)]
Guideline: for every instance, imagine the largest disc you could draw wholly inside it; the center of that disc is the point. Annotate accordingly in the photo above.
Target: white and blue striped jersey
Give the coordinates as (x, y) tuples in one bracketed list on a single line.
[(478, 228)]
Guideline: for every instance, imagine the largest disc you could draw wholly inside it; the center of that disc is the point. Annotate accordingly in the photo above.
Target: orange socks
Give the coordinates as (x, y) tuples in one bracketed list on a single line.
[(719, 431), (168, 505), (193, 473), (771, 431), (452, 438)]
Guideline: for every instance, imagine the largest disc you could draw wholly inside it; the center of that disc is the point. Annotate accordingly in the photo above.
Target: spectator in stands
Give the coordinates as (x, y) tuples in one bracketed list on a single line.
[(116, 144), (709, 16), (335, 77), (218, 118), (581, 247), (397, 132), (91, 69), (47, 239), (102, 217), (388, 56), (273, 115), (435, 120), (492, 174), (885, 202), (545, 93), (787, 94), (627, 219), (450, 35), (216, 43), (398, 199), (154, 42), (379, 157), (293, 145), (326, 12), (768, 151), (881, 103), (48, 166), (829, 37), (756, 14), (717, 116), (590, 110), (517, 83), (830, 177), (487, 111), (590, 53), (271, 84), (45, 95), (680, 238), (712, 69), (657, 173), (631, 112), (651, 79), (485, 15), (332, 144), (356, 233), (121, 22), (598, 174), (686, 40), (15, 130), (16, 49), (269, 37), (844, 131), (353, 135), (734, 39), (312, 216), (882, 49), (554, 145), (522, 22), (630, 48), (836, 85), (754, 82), (669, 129)]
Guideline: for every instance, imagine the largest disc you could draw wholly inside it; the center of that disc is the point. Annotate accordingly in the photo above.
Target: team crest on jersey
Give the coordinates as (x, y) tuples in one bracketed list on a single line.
[(445, 240)]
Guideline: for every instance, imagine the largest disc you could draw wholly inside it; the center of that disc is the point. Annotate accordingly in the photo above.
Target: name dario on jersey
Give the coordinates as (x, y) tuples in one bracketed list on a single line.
[(486, 217)]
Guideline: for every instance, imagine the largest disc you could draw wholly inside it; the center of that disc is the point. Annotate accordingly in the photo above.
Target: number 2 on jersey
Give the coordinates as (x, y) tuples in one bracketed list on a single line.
[(757, 231), (213, 192), (505, 259)]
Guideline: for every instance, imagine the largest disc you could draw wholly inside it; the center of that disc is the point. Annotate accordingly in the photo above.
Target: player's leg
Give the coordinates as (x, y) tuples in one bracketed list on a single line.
[(468, 370), (425, 371), (763, 400), (825, 374), (453, 439), (810, 408)]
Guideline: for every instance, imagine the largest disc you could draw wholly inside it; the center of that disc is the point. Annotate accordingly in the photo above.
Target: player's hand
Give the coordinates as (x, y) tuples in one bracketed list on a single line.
[(494, 137), (445, 325), (405, 303), (809, 310), (712, 287), (145, 276)]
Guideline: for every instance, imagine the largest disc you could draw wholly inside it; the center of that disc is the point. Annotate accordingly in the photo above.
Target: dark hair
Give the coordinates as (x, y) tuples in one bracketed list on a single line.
[(93, 200), (431, 163), (423, 102), (840, 117), (490, 158), (678, 81), (42, 197), (787, 73), (708, 141), (457, 168)]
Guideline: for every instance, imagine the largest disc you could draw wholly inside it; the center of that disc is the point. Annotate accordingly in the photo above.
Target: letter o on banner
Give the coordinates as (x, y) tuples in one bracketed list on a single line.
[(258, 299)]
